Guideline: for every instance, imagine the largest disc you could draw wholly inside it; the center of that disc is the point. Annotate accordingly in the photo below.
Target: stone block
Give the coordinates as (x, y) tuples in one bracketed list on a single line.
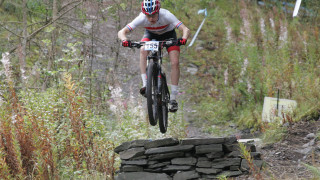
[(132, 144), (122, 147), (131, 168), (160, 150), (215, 155), (131, 153), (202, 141), (230, 147), (135, 162), (204, 164), (184, 161), (204, 149), (157, 170), (208, 170), (226, 162), (161, 142), (234, 168), (173, 168), (166, 156), (186, 175), (142, 176), (158, 165), (231, 140)]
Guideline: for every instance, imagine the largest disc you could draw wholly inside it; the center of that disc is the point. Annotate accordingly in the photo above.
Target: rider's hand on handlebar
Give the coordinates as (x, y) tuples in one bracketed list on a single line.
[(182, 41), (126, 43)]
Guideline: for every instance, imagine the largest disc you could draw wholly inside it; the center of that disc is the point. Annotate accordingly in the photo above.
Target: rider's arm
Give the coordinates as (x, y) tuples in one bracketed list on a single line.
[(122, 34), (185, 31)]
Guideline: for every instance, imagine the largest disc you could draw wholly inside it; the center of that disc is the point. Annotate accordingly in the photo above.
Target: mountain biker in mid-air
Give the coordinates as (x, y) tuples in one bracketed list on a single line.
[(159, 25)]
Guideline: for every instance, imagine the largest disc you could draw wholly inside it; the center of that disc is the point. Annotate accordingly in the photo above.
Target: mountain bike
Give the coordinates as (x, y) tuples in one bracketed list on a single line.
[(157, 91)]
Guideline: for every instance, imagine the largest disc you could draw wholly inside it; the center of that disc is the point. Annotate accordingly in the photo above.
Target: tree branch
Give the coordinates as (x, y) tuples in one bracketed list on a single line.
[(4, 27), (86, 35), (48, 24)]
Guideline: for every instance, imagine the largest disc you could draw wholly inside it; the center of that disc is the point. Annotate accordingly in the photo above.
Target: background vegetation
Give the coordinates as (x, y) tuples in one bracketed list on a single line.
[(63, 107)]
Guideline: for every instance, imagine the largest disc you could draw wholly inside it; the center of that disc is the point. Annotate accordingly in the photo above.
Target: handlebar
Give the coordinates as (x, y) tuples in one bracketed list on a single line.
[(165, 43)]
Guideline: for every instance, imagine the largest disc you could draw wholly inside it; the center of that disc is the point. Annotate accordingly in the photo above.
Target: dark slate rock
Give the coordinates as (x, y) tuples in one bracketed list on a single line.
[(256, 155), (131, 168), (158, 165), (138, 143), (132, 144), (158, 170), (152, 162), (135, 162), (171, 168), (185, 175), (166, 156), (203, 149), (204, 164), (179, 148), (215, 155), (250, 147), (231, 140), (223, 163), (184, 161), (142, 176), (234, 168), (230, 147), (139, 157), (234, 154), (202, 141), (122, 147), (257, 165), (131, 153), (203, 159), (208, 170), (161, 142)]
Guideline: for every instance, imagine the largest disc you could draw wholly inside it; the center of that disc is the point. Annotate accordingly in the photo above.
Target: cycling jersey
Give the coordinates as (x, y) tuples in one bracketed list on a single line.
[(166, 22)]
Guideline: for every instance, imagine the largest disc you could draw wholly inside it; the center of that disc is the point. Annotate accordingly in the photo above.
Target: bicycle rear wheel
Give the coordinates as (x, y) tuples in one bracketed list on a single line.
[(163, 109), (152, 101)]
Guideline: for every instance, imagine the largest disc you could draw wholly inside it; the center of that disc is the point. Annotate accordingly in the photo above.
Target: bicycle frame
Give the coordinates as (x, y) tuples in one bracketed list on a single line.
[(156, 56)]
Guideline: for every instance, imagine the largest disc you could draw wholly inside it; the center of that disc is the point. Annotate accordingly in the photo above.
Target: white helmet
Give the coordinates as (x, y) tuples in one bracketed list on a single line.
[(149, 7)]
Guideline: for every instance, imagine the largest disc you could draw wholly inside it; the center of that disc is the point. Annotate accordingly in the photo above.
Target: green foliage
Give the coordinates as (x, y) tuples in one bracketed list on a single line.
[(315, 170), (246, 155), (274, 132), (237, 70)]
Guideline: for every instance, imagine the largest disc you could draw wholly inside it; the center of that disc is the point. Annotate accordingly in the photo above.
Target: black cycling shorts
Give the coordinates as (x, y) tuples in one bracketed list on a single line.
[(148, 36)]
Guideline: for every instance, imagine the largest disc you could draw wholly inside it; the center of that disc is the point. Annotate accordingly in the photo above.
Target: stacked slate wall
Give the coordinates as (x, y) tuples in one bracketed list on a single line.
[(183, 159)]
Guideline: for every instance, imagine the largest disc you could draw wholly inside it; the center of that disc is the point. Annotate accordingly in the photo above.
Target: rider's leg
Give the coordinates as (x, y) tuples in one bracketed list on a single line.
[(175, 73), (143, 66), (143, 63)]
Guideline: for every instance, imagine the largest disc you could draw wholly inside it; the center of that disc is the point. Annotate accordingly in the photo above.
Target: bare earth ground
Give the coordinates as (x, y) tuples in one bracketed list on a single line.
[(285, 159)]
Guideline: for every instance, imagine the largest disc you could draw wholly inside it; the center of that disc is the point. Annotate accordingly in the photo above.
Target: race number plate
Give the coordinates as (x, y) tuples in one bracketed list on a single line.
[(151, 45)]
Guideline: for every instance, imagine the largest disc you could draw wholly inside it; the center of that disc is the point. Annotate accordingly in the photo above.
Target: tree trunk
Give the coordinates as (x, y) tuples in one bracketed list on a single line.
[(54, 35), (23, 53), (1, 2)]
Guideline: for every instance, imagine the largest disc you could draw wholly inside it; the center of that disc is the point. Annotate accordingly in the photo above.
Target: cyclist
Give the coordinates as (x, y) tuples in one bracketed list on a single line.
[(160, 25)]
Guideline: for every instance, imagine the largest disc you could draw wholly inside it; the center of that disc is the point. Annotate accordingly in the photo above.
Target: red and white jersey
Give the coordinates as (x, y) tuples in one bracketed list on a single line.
[(166, 22)]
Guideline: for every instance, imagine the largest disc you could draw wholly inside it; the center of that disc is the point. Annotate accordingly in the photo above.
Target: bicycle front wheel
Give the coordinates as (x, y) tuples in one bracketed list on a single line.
[(163, 109), (152, 101)]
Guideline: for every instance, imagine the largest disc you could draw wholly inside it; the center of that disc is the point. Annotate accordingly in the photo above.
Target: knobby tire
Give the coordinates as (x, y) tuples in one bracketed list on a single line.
[(163, 108), (152, 104)]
